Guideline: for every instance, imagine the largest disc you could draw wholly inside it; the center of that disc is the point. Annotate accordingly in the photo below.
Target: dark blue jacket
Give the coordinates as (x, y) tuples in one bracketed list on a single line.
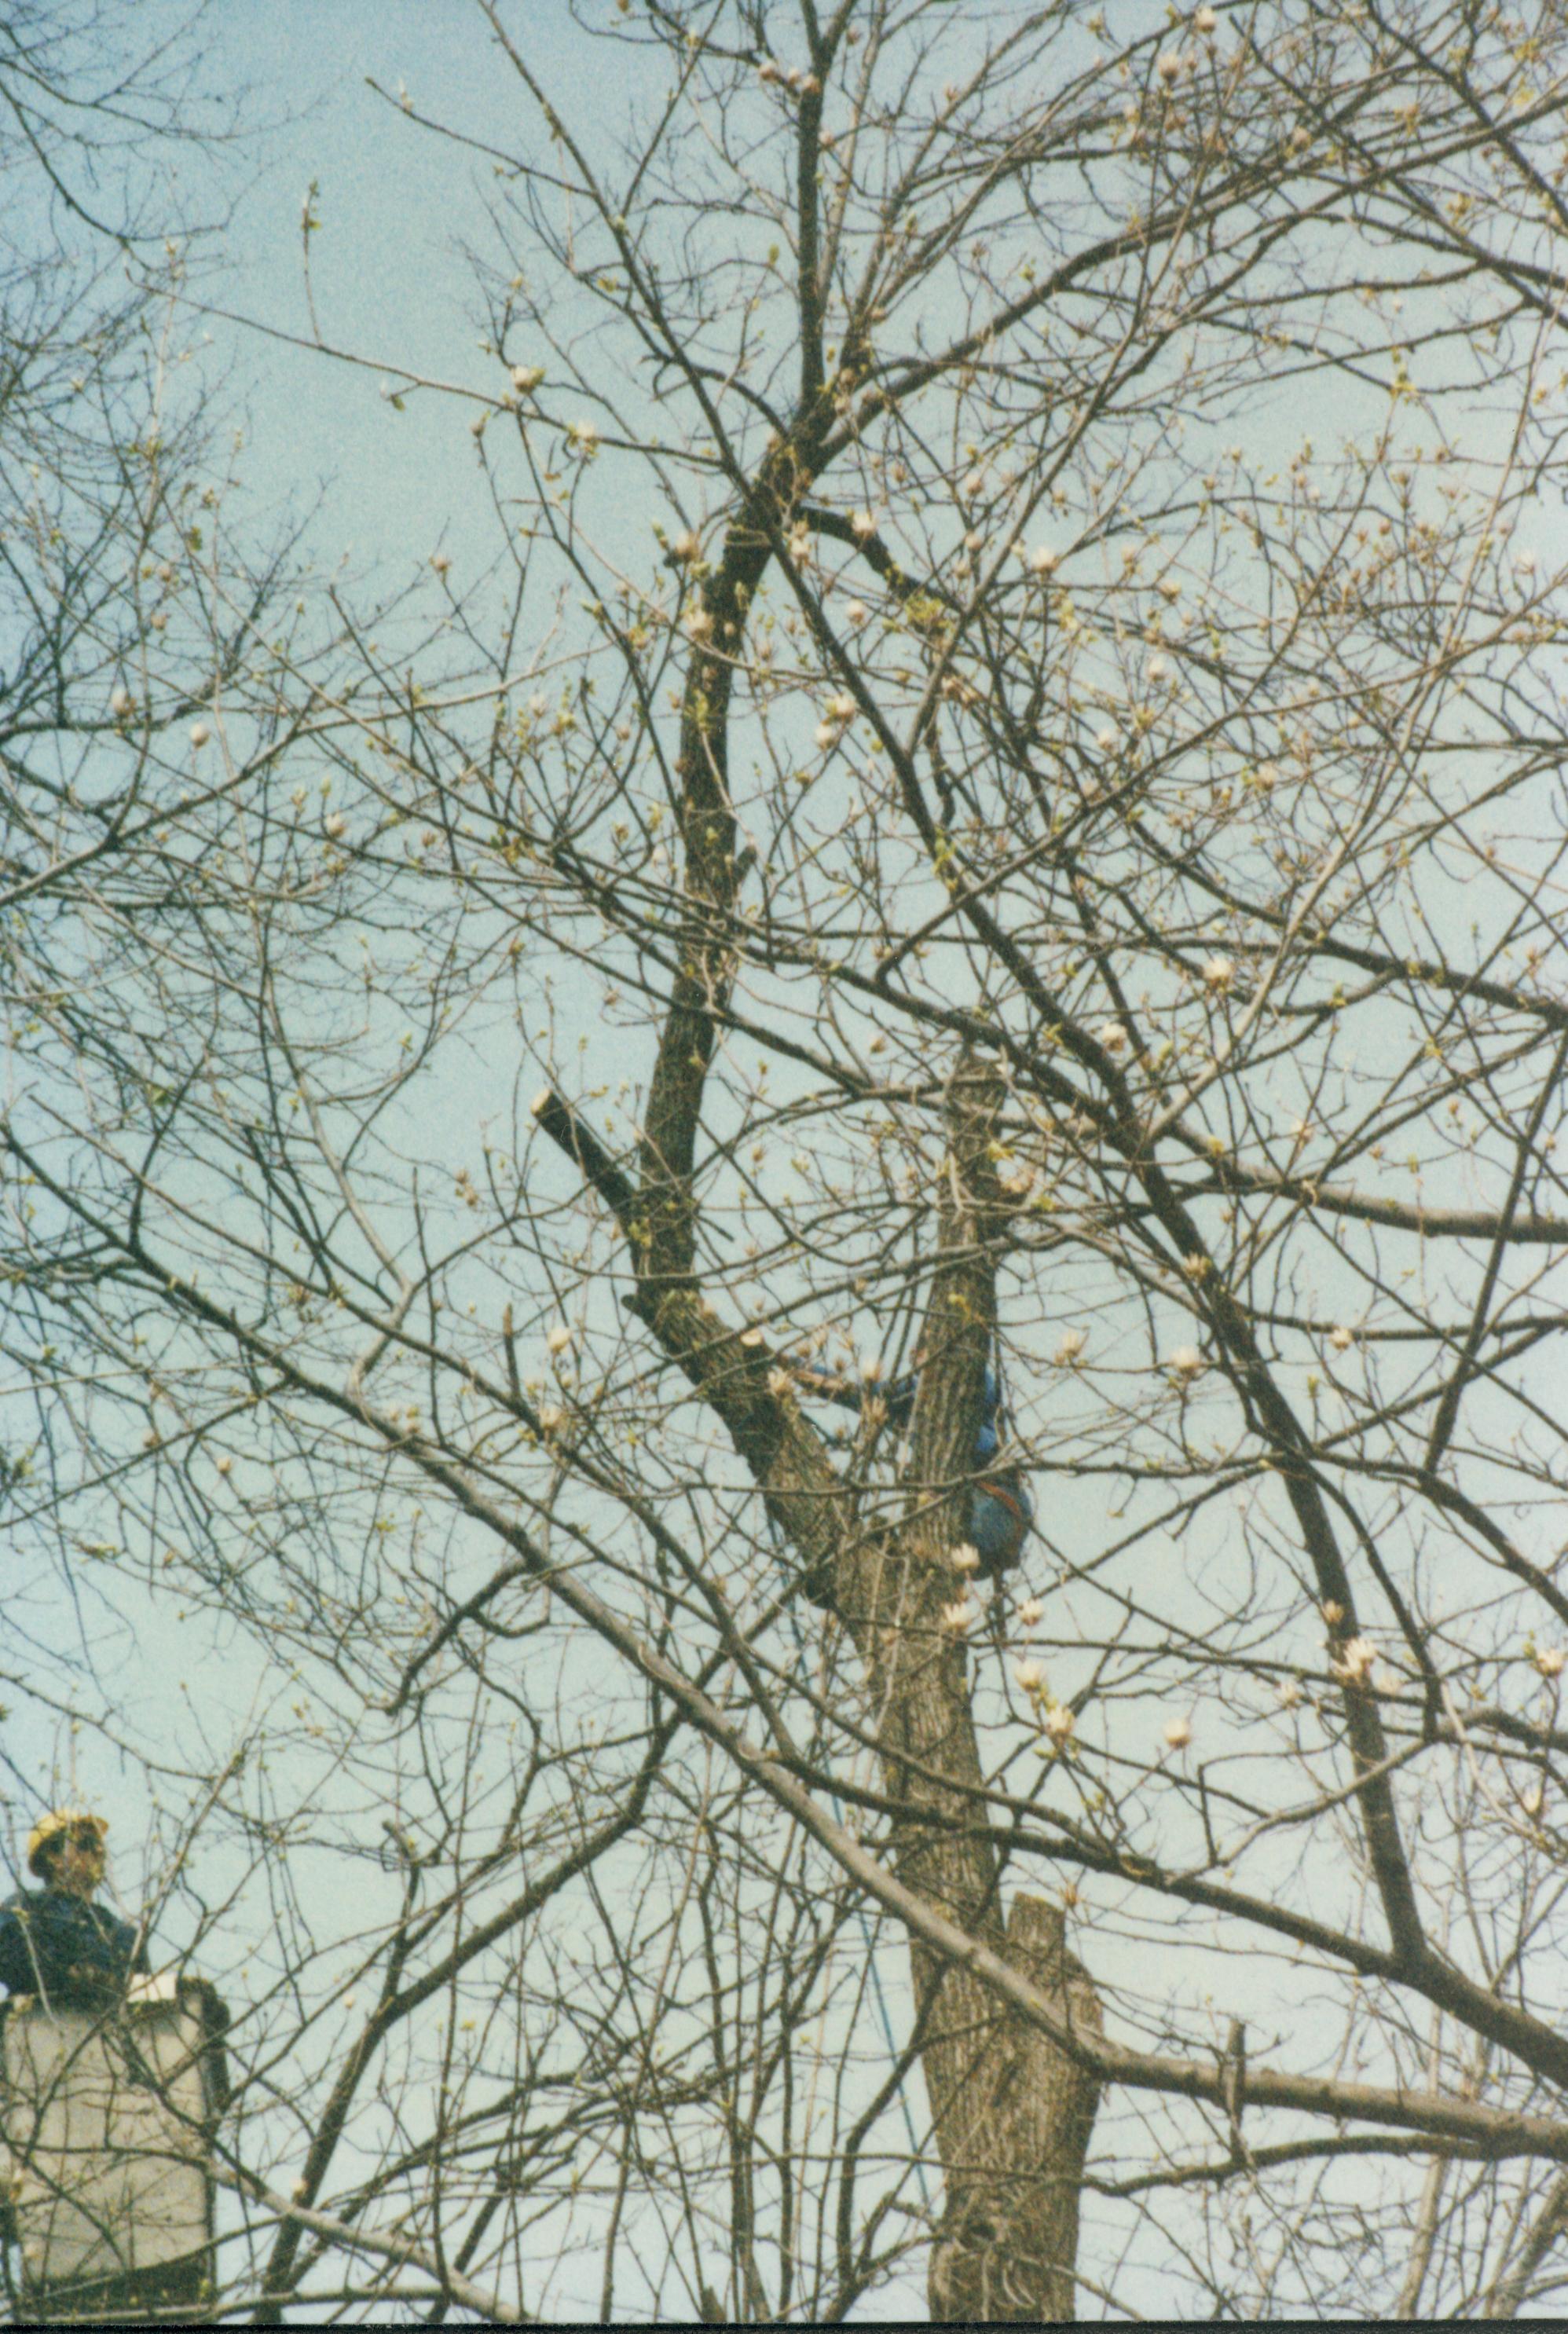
[(1000, 1511), (57, 1945)]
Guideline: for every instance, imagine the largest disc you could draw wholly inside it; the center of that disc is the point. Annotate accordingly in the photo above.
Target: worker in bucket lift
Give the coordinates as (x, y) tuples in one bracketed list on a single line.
[(55, 1942), (110, 2093), (1000, 1511)]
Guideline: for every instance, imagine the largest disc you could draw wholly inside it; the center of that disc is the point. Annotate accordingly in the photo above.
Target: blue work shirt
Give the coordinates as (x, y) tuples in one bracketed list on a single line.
[(1000, 1512), (59, 1946)]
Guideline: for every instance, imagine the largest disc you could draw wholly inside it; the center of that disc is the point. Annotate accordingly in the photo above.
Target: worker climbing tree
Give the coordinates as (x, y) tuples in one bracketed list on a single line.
[(1000, 1511)]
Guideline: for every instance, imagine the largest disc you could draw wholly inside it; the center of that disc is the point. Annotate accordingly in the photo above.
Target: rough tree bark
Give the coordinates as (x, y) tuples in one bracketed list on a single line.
[(1014, 2155)]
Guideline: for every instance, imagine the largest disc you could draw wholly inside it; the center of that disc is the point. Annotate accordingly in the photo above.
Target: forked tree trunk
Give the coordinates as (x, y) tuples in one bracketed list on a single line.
[(1011, 2110)]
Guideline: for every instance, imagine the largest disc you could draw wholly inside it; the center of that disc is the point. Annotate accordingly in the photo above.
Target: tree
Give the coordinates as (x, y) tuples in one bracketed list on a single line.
[(1065, 863)]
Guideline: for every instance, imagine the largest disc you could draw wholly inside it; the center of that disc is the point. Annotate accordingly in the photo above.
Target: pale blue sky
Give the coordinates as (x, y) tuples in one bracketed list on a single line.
[(390, 283)]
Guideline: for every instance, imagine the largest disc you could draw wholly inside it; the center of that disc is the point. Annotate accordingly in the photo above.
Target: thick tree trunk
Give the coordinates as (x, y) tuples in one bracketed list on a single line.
[(1011, 2112), (1015, 2134)]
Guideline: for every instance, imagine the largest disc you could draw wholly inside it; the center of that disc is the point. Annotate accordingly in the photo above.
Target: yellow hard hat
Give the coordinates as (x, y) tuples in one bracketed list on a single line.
[(58, 1821)]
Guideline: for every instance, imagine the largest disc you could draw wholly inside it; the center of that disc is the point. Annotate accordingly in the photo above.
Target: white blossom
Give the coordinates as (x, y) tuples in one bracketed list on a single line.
[(1059, 1725), (1029, 1612), (1549, 1659), (1030, 1674), (560, 1338), (855, 614), (1219, 972), (121, 701), (1108, 740), (1158, 669), (1041, 560), (1072, 1344), (526, 379), (1356, 1659), (1342, 1339), (863, 525), (199, 734), (1179, 1732), (1169, 67), (337, 825), (1206, 22), (1185, 1363), (958, 1617), (1113, 1037), (441, 563)]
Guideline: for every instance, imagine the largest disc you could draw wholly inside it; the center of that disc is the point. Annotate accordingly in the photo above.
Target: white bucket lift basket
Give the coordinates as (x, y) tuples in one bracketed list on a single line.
[(107, 2118)]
